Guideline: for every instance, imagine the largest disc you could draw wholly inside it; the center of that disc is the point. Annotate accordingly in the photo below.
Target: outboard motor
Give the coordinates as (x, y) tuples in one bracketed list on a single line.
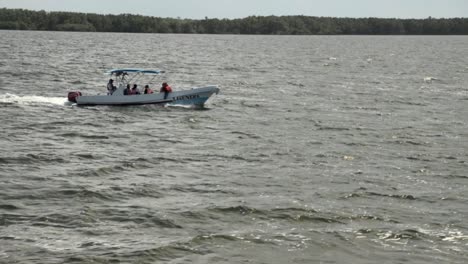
[(72, 96)]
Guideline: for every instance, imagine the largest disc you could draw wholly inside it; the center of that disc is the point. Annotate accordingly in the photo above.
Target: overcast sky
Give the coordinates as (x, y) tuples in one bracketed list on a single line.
[(242, 8)]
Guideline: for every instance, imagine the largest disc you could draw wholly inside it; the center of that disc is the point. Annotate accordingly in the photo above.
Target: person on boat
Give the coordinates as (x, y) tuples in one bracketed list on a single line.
[(111, 87), (134, 90), (166, 89), (126, 91), (147, 90)]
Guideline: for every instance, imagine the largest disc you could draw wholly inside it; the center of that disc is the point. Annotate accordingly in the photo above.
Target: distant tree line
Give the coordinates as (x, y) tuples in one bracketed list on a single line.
[(20, 19)]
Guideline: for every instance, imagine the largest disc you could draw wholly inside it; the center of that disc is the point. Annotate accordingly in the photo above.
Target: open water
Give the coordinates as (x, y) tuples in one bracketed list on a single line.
[(319, 149)]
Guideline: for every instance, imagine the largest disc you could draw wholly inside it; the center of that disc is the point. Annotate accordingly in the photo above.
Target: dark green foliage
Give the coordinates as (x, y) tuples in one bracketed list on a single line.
[(20, 19)]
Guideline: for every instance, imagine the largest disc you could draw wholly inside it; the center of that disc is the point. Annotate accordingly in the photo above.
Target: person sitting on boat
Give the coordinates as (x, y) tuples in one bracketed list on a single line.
[(111, 87), (147, 90), (126, 91), (134, 90), (166, 89)]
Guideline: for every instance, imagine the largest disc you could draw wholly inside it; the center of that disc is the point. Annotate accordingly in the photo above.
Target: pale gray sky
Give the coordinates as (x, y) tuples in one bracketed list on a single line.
[(242, 8)]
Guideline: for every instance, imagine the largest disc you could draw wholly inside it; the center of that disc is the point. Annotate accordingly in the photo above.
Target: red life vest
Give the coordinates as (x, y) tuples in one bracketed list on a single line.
[(166, 89)]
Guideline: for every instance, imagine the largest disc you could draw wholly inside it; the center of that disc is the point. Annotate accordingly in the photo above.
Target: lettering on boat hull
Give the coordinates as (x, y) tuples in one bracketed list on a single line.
[(186, 97)]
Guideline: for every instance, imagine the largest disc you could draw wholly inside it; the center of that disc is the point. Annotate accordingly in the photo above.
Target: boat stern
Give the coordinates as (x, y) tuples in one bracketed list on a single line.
[(73, 95)]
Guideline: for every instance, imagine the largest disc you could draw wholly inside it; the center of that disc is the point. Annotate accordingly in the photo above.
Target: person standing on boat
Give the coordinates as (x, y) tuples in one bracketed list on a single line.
[(147, 90), (134, 90), (166, 89), (111, 87)]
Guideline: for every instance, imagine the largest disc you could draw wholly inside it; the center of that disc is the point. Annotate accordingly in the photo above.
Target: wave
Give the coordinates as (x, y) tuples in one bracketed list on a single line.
[(250, 135), (88, 217), (289, 214), (32, 100), (59, 220), (454, 236), (164, 253), (136, 216), (10, 207), (368, 194), (332, 128), (430, 79), (202, 246), (386, 234), (41, 158), (75, 134)]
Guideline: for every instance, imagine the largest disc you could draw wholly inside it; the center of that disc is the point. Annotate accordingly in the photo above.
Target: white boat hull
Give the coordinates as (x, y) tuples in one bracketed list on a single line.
[(194, 96)]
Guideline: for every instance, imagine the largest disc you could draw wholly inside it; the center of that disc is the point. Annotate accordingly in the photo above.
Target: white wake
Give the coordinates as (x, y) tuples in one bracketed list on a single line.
[(32, 99)]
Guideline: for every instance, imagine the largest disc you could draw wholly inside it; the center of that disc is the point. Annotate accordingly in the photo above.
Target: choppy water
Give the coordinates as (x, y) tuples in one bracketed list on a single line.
[(317, 150)]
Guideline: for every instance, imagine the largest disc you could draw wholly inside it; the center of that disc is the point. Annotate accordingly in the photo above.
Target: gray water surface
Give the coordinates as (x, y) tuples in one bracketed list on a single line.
[(319, 149)]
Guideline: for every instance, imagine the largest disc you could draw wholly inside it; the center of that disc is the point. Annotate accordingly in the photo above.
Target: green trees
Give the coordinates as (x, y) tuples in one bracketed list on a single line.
[(20, 19)]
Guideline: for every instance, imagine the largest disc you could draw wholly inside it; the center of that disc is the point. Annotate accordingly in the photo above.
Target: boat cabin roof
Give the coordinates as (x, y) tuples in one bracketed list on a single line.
[(131, 70), (128, 75)]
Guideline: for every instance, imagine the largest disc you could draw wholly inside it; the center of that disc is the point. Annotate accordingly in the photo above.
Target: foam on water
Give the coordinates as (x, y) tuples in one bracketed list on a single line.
[(32, 99), (180, 106)]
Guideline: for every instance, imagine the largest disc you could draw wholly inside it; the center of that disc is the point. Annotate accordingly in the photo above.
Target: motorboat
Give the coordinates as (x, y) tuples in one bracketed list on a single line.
[(196, 96)]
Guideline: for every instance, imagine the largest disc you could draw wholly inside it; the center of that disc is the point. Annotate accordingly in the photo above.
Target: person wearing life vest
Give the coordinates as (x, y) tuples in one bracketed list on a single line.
[(111, 87), (147, 90), (166, 89)]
